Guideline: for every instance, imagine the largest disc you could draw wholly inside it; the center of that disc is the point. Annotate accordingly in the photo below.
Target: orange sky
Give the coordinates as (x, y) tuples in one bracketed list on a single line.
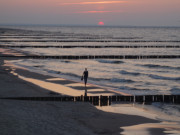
[(80, 12)]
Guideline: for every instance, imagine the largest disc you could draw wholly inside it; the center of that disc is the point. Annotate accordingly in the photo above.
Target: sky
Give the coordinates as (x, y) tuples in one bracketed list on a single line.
[(91, 12)]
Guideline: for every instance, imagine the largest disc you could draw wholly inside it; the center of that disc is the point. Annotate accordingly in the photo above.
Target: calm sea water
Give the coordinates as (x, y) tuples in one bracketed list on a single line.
[(138, 76)]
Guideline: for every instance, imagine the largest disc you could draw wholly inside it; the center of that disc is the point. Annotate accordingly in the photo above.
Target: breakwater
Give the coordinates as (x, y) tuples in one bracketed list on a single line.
[(105, 100)]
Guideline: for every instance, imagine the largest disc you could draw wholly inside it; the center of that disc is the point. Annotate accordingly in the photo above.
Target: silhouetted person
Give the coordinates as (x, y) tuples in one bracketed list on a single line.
[(85, 76)]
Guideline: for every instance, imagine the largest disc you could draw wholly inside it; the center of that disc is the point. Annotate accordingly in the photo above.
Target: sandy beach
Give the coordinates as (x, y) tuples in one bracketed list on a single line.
[(64, 118)]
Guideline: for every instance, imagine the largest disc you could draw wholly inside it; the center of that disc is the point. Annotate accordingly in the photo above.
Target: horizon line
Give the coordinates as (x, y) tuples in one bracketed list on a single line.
[(94, 25)]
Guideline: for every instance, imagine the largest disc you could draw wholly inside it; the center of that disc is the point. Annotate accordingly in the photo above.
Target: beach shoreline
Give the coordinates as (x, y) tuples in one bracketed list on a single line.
[(54, 83)]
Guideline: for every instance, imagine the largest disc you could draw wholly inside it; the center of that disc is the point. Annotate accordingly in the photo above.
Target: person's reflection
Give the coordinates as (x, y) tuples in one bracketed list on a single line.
[(85, 93)]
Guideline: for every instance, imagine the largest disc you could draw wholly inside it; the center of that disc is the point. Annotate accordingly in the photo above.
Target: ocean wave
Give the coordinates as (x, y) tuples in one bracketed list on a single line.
[(38, 66), (129, 73), (175, 90), (52, 71), (159, 66), (75, 75), (131, 88), (111, 61), (163, 77), (61, 73), (113, 80), (153, 76), (117, 80), (127, 37), (65, 61)]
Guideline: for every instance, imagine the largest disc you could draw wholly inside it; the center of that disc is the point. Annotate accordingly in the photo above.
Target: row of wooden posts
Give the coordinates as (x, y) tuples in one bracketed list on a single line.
[(96, 57), (87, 40), (90, 46), (107, 100)]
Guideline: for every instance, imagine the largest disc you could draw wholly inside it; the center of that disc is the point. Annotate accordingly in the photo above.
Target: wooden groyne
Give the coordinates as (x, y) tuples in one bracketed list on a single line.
[(73, 57), (100, 40), (89, 46), (106, 100)]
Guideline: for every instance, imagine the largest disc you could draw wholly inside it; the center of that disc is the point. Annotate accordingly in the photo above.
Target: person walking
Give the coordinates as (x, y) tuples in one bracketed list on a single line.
[(85, 76)]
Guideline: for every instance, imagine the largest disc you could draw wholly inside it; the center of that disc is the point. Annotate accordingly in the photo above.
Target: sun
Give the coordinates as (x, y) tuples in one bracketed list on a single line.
[(101, 23)]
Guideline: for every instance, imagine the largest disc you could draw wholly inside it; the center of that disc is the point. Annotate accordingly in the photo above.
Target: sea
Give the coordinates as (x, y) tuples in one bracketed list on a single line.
[(132, 76)]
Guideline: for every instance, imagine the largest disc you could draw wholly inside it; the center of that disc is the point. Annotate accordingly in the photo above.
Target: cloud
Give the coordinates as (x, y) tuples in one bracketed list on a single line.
[(94, 12), (98, 2)]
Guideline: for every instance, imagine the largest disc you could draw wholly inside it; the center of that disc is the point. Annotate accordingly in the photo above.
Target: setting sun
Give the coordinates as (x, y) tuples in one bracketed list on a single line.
[(101, 23)]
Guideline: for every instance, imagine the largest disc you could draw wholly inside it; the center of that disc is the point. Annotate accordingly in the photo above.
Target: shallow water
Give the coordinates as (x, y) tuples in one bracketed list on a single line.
[(166, 114)]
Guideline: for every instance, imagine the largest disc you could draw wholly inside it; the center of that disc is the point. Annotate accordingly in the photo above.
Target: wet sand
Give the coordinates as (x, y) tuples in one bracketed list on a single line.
[(66, 118)]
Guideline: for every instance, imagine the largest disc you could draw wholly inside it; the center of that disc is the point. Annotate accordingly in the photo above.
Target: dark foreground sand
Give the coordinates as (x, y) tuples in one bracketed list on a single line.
[(55, 118)]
